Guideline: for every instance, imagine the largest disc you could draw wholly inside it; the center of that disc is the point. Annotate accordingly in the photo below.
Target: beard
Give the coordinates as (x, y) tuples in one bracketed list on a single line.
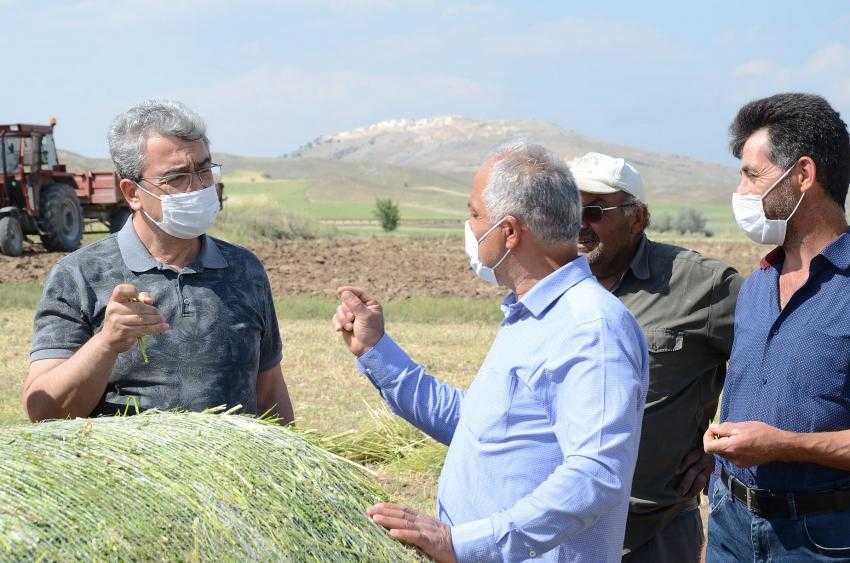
[(780, 203), (606, 259), (590, 246)]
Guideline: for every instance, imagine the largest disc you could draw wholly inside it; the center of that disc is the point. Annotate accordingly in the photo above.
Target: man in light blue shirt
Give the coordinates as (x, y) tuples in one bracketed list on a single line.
[(543, 444)]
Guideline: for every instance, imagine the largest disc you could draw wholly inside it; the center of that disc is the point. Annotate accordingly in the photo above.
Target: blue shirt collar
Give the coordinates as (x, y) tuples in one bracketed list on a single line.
[(138, 259), (549, 289), (837, 253)]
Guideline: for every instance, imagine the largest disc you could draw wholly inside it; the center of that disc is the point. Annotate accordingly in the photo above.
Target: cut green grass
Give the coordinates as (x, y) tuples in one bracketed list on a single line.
[(183, 487)]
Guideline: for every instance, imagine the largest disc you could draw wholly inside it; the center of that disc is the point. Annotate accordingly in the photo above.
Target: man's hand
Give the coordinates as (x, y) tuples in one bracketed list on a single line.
[(359, 319), (746, 443), (129, 314), (431, 536), (698, 466)]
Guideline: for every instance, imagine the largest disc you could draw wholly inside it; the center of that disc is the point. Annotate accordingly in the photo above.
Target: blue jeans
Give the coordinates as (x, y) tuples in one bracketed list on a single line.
[(736, 534)]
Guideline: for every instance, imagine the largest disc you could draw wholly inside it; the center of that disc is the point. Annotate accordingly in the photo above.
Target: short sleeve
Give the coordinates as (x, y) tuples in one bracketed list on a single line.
[(271, 343), (60, 326)]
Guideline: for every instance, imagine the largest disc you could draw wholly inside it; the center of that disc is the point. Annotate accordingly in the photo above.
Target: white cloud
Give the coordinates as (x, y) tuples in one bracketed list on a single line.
[(823, 72), (86, 13), (472, 8), (834, 58), (577, 36), (757, 69)]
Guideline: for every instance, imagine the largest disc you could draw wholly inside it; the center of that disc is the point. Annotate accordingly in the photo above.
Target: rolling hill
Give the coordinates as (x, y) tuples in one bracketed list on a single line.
[(455, 146), (429, 163)]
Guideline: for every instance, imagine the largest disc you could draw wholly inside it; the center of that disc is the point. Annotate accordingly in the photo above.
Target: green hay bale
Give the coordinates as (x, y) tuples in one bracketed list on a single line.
[(189, 486)]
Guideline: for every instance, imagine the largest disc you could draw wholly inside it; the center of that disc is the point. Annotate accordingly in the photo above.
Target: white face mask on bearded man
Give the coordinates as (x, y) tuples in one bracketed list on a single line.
[(750, 216)]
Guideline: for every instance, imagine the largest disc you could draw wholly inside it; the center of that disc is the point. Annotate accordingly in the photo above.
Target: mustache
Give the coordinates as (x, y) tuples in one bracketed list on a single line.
[(587, 235)]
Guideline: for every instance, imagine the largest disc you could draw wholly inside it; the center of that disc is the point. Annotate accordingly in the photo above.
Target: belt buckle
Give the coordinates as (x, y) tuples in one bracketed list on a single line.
[(749, 499)]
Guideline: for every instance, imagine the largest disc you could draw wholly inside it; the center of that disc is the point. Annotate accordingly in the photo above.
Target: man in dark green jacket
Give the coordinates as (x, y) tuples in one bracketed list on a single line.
[(685, 305)]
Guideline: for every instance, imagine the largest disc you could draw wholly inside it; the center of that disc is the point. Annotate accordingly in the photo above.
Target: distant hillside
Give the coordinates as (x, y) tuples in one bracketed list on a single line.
[(431, 162), (79, 163), (457, 145)]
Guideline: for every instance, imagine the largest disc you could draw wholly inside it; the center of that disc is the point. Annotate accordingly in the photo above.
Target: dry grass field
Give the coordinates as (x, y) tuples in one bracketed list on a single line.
[(435, 309)]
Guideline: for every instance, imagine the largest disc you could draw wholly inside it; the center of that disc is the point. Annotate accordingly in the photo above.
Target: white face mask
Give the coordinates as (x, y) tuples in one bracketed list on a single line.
[(187, 215), (471, 244), (749, 214)]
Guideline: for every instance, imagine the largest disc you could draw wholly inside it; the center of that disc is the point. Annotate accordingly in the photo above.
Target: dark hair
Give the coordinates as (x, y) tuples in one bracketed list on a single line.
[(799, 125)]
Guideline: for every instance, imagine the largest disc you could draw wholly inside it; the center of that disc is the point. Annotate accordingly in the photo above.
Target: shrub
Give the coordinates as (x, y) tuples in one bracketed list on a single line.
[(689, 220), (663, 223), (686, 220), (269, 224), (387, 213)]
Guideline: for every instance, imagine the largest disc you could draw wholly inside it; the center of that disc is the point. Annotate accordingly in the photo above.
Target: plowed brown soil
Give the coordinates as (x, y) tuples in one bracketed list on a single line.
[(392, 268)]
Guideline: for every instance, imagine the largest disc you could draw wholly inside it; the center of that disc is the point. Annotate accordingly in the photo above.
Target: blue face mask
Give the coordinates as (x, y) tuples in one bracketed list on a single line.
[(471, 244)]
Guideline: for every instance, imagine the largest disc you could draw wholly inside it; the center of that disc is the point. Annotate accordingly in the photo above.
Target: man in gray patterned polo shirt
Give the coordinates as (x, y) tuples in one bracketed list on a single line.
[(202, 308)]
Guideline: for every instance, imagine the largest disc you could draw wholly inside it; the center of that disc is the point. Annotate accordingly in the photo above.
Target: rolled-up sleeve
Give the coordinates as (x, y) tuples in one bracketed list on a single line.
[(60, 326), (411, 392), (596, 403)]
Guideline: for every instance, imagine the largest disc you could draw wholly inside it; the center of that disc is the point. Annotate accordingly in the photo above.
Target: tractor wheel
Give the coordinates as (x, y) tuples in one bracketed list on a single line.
[(61, 218), (11, 236), (118, 217)]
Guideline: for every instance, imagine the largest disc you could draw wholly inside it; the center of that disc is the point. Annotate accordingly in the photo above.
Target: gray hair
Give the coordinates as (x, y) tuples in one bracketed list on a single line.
[(532, 184), (633, 207), (129, 133)]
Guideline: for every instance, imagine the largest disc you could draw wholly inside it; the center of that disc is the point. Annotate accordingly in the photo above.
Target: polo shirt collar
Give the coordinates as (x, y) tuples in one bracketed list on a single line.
[(138, 259), (549, 289)]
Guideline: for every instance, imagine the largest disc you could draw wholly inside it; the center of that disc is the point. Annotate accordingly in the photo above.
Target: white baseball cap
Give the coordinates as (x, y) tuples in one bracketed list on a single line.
[(598, 173)]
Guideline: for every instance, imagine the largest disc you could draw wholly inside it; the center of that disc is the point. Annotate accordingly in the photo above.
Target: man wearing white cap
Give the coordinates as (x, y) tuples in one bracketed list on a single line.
[(685, 305)]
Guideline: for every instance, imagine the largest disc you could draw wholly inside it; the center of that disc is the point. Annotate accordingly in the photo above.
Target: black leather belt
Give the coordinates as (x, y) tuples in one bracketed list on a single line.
[(768, 504)]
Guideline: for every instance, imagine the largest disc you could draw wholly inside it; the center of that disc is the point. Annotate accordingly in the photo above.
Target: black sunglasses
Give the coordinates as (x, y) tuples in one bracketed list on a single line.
[(594, 213)]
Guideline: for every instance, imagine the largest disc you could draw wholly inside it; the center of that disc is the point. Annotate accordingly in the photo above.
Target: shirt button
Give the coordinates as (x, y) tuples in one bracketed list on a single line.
[(532, 553), (186, 301)]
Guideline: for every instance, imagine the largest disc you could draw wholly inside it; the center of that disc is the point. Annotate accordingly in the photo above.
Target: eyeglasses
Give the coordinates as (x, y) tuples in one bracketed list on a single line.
[(182, 181), (594, 213)]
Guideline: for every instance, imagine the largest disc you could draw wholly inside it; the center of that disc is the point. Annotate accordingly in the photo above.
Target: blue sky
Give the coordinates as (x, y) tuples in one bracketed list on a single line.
[(271, 75)]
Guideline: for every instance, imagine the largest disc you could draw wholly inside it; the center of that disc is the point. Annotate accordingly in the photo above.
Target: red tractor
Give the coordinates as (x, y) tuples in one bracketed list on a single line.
[(38, 196)]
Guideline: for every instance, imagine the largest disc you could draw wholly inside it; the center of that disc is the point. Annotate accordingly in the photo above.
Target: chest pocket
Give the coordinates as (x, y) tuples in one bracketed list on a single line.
[(667, 364), (820, 383), (496, 401)]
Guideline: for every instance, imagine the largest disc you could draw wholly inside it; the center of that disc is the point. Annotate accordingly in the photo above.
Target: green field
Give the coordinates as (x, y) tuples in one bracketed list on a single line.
[(329, 215)]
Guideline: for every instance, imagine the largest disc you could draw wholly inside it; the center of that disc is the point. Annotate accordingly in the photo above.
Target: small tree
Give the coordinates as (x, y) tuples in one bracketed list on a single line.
[(387, 213)]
